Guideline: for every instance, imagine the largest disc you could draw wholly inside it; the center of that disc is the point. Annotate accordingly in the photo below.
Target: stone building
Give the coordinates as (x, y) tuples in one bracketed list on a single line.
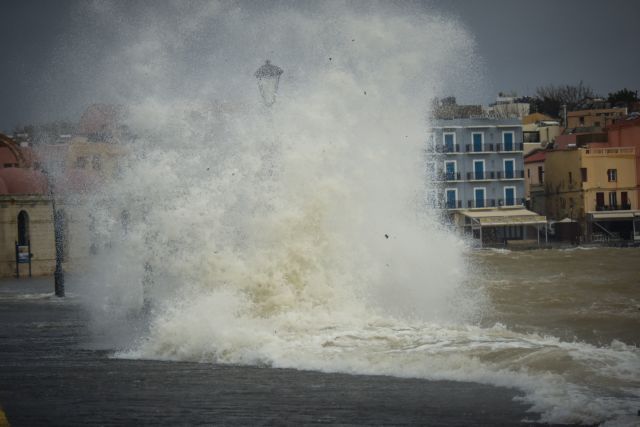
[(26, 213)]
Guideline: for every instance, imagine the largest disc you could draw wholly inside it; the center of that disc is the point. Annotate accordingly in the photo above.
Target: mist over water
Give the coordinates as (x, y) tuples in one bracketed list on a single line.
[(296, 235)]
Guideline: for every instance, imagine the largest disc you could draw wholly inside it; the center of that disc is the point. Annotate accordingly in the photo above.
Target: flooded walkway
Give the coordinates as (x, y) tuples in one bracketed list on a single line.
[(50, 377)]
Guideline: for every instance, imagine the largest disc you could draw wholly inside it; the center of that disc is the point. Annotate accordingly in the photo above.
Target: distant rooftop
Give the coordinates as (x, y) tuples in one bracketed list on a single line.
[(476, 122)]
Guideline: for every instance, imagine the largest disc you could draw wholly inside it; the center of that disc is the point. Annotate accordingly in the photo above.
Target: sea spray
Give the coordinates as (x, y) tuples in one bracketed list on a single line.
[(297, 235)]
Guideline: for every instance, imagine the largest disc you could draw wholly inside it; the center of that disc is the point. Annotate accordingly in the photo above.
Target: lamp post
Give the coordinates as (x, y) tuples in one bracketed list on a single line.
[(58, 275), (58, 233), (268, 76)]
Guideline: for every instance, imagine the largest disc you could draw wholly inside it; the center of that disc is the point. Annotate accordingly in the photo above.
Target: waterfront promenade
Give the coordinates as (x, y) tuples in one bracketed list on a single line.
[(49, 375)]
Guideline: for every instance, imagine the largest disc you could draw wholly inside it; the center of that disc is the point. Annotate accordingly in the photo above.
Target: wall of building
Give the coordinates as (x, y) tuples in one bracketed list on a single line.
[(567, 196), (532, 177), (597, 162), (627, 134), (590, 118), (495, 182), (41, 234), (563, 187)]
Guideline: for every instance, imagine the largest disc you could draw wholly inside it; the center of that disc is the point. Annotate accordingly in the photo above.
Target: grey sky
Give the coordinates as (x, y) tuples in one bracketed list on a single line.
[(54, 53)]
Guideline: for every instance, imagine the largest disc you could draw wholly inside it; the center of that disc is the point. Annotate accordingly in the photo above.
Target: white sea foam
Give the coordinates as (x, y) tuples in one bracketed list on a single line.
[(296, 236)]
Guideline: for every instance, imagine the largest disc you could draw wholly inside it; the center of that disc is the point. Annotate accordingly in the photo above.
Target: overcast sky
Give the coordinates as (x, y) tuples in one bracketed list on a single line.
[(52, 51)]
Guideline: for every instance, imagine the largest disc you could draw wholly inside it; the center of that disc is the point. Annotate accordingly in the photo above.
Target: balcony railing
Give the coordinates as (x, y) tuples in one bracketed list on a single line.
[(452, 176), (621, 207), (453, 204), (439, 148), (516, 174), (470, 148), (508, 148), (486, 203), (455, 148), (511, 202), (486, 148), (481, 176)]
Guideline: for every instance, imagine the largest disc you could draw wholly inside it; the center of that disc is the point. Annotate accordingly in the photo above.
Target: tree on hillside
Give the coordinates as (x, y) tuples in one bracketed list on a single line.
[(550, 99)]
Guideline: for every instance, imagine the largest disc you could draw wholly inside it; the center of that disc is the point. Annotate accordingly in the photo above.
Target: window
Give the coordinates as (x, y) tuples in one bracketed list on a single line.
[(583, 174), (449, 142), (528, 173), (570, 178), (612, 175), (599, 200), (23, 228), (450, 170), (478, 196), (430, 140), (431, 169), (510, 196), (613, 200), (509, 168), (507, 141), (582, 120), (478, 169), (624, 200), (477, 140), (452, 198), (540, 175), (432, 199), (81, 162)]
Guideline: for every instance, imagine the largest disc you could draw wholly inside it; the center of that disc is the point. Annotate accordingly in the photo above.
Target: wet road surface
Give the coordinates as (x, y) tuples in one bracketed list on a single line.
[(48, 376)]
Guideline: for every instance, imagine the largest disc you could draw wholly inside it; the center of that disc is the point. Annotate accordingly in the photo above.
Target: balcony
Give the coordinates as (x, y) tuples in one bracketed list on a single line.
[(453, 204), (511, 202), (439, 148), (621, 207), (481, 176), (486, 148), (515, 147), (451, 176), (455, 148), (448, 176), (517, 174), (486, 203)]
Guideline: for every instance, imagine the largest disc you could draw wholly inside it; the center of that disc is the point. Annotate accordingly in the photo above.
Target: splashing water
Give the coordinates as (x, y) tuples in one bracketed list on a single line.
[(296, 235)]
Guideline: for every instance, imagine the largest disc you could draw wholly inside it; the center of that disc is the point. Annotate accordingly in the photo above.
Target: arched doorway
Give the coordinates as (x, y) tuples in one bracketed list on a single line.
[(23, 228)]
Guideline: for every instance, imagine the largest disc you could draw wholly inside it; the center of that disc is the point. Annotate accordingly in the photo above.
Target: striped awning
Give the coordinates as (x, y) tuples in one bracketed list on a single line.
[(505, 217)]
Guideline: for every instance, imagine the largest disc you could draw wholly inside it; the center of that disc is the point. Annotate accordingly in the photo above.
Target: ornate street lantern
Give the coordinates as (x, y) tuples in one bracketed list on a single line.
[(268, 78)]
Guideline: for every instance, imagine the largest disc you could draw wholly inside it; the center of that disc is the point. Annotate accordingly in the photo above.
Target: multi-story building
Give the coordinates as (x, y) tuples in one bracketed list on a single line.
[(626, 133), (478, 166), (539, 134), (479, 162), (594, 117), (596, 187), (26, 214), (534, 180)]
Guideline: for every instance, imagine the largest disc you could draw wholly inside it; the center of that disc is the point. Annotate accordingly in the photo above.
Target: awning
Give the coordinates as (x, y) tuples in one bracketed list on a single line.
[(613, 215), (505, 217)]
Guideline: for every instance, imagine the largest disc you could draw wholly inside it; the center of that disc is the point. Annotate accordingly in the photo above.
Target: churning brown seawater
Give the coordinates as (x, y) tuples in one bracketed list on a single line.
[(584, 294)]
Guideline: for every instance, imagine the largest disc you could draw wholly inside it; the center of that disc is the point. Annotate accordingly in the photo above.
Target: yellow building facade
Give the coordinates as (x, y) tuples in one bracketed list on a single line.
[(600, 117), (580, 183), (27, 219)]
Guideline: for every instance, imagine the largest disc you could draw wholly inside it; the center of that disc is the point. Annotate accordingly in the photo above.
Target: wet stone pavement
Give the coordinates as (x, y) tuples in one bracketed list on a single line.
[(48, 376)]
